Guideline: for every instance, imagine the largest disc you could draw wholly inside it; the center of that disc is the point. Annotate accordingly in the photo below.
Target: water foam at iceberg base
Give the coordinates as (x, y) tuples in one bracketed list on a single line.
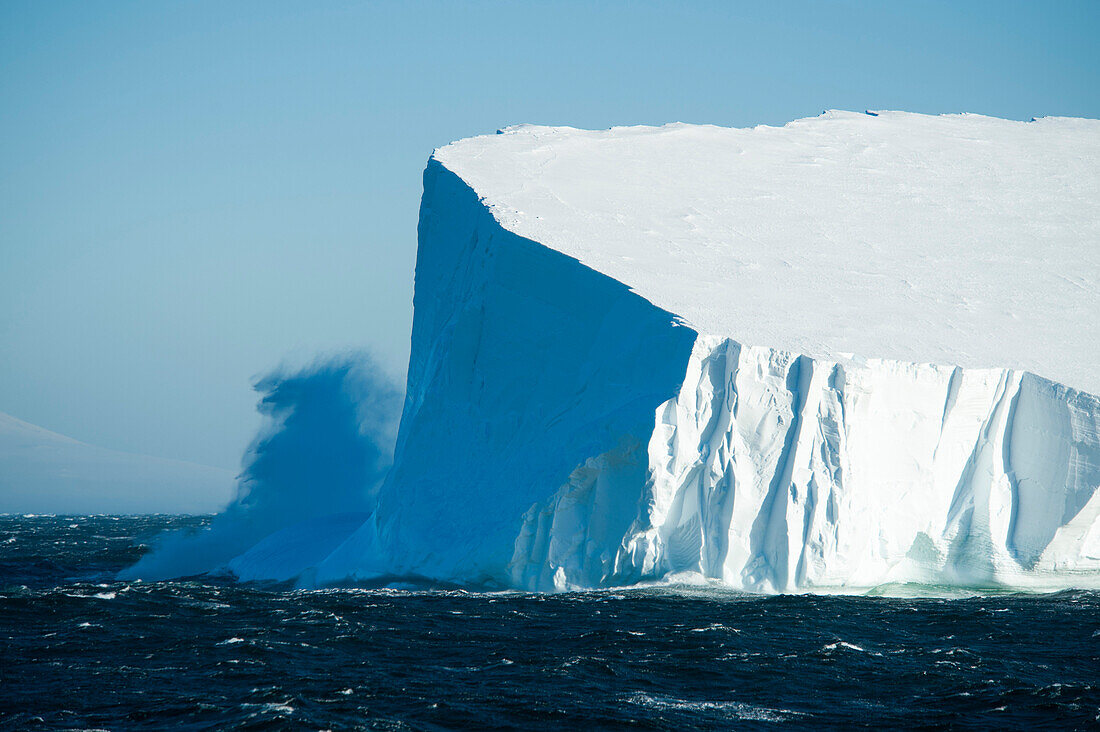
[(560, 432)]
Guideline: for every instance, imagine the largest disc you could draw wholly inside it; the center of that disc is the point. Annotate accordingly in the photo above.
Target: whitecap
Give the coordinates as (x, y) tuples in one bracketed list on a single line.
[(843, 644), (848, 646), (714, 626), (737, 710)]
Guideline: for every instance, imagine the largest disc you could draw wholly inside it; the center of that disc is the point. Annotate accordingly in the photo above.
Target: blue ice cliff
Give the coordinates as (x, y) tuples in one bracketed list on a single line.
[(850, 351)]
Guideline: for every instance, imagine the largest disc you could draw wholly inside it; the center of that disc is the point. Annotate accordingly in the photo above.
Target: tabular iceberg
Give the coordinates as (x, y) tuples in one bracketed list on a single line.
[(854, 350)]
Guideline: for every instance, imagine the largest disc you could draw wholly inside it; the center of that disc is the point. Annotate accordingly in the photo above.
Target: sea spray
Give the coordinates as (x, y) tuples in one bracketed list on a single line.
[(324, 448)]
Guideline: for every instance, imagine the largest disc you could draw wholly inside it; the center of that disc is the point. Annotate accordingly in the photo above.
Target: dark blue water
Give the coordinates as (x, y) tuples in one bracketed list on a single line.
[(78, 650)]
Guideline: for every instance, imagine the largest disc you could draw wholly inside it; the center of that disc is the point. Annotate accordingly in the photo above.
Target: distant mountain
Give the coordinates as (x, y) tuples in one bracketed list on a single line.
[(44, 472)]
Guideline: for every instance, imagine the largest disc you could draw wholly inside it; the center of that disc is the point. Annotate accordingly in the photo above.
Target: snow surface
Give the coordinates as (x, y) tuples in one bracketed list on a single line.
[(955, 239), (44, 472), (855, 351)]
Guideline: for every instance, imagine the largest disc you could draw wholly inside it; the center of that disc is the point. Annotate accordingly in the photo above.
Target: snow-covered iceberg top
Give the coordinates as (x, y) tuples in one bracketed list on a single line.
[(956, 239)]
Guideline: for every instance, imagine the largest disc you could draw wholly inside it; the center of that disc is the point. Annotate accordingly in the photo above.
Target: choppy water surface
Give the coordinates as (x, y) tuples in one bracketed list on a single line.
[(80, 650)]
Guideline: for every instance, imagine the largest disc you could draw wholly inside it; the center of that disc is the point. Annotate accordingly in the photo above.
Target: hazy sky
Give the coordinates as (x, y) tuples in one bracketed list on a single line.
[(192, 192)]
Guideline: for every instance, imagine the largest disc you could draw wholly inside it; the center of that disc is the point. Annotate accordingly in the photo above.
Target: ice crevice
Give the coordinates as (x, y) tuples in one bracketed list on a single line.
[(821, 475), (758, 479)]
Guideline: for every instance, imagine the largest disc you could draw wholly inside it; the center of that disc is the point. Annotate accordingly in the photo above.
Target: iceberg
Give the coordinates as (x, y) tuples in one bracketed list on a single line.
[(856, 350)]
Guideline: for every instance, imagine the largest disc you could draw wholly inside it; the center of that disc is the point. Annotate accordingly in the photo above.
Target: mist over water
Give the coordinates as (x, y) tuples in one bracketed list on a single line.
[(324, 448)]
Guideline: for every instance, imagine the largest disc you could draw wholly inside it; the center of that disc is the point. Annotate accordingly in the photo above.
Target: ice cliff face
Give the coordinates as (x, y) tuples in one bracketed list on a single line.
[(787, 359), (773, 471), (525, 364)]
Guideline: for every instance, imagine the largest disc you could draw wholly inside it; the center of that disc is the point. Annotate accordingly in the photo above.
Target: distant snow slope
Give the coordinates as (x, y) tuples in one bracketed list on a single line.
[(44, 472)]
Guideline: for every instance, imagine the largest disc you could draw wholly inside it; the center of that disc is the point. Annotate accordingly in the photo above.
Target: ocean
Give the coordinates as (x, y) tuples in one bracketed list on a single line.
[(79, 650)]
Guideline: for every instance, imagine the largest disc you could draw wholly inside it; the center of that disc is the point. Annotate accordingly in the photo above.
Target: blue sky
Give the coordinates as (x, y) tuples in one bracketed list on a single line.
[(192, 193)]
